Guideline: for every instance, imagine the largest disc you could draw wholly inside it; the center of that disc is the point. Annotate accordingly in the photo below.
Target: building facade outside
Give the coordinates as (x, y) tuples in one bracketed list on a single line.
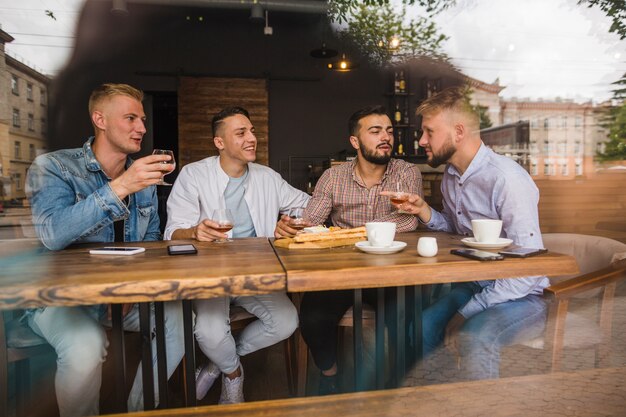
[(564, 136), (23, 121)]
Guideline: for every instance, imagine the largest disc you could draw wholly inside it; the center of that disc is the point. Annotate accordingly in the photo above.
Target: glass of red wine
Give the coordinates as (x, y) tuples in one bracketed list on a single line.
[(224, 219)]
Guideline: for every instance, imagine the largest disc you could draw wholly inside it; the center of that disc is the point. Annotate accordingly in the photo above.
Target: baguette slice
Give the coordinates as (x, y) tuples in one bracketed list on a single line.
[(289, 243), (332, 235)]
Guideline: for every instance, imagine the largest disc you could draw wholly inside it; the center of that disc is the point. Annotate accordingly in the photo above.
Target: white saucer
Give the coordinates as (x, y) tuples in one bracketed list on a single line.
[(396, 246), (499, 244)]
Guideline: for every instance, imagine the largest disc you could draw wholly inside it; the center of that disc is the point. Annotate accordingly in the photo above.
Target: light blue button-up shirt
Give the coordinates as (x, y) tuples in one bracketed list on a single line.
[(492, 187)]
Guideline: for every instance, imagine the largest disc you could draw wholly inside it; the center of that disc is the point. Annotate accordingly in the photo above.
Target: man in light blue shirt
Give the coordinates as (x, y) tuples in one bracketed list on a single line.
[(476, 319)]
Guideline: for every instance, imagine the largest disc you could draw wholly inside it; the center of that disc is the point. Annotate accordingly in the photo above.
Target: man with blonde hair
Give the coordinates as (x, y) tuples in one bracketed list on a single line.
[(97, 193), (476, 319)]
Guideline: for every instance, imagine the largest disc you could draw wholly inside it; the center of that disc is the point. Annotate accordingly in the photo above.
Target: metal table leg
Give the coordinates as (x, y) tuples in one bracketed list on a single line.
[(146, 356), (380, 338), (190, 358), (159, 315), (400, 364), (357, 317), (117, 347)]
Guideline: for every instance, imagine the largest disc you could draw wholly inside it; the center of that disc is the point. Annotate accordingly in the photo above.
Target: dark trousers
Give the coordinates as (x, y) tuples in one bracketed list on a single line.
[(320, 313)]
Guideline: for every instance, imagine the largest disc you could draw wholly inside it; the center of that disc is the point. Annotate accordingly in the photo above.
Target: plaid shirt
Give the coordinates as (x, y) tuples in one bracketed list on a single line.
[(341, 194)]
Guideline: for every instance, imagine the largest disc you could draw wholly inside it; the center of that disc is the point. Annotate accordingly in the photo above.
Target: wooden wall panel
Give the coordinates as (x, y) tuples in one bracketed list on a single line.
[(199, 98)]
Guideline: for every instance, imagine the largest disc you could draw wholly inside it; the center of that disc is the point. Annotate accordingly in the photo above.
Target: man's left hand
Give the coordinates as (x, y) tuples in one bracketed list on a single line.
[(283, 229)]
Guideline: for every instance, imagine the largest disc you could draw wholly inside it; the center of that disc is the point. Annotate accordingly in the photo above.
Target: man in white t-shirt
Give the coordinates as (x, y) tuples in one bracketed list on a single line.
[(255, 194)]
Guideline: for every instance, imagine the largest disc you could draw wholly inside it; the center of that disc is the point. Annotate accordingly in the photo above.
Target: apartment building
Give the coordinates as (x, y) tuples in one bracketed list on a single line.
[(23, 121), (564, 136)]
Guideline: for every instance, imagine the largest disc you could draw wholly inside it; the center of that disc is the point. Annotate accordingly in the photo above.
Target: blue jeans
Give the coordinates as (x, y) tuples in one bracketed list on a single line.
[(483, 335), (78, 337)]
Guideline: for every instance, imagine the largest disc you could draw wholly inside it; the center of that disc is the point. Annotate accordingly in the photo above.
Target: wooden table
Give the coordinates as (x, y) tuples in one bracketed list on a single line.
[(31, 276), (349, 268), (72, 277)]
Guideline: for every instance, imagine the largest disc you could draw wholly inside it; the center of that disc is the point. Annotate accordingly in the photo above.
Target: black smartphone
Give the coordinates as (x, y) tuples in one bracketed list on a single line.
[(479, 255), (522, 252), (181, 250)]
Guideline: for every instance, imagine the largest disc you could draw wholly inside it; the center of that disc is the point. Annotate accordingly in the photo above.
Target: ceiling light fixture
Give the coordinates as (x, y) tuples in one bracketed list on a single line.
[(343, 65), (256, 12)]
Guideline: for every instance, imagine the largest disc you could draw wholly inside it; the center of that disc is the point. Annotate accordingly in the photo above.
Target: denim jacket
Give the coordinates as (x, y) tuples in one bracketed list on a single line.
[(72, 201)]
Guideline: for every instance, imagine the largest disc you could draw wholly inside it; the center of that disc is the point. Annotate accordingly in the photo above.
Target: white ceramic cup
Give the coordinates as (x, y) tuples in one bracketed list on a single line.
[(486, 230), (380, 234), (427, 247)]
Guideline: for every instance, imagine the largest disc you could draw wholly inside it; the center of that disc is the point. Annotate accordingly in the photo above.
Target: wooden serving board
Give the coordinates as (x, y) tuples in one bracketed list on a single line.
[(289, 243)]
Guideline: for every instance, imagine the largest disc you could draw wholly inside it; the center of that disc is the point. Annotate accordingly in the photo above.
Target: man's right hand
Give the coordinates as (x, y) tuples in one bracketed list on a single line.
[(143, 173), (205, 231), (413, 205)]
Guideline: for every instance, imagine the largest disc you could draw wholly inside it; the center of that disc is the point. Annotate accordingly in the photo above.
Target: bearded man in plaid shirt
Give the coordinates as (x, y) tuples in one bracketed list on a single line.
[(349, 196)]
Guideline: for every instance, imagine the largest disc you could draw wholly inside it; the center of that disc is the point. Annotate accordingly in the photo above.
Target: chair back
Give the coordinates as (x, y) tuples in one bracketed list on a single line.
[(591, 252)]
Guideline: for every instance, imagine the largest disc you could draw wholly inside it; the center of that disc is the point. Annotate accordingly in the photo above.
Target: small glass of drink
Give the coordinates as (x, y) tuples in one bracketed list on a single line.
[(172, 162), (224, 219), (296, 221)]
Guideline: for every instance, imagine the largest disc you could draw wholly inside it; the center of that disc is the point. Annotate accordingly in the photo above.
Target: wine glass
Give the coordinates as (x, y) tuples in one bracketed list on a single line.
[(224, 219), (296, 221), (172, 162)]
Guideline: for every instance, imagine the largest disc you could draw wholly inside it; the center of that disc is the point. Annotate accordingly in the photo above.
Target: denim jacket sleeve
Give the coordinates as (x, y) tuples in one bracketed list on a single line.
[(61, 213)]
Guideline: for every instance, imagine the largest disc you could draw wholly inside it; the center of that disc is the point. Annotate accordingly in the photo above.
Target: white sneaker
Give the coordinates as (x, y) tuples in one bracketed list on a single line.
[(232, 389), (205, 377)]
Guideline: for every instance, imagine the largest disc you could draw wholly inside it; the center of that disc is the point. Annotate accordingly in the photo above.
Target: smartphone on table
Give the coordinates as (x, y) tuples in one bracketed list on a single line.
[(182, 249), (117, 250), (479, 255), (522, 252)]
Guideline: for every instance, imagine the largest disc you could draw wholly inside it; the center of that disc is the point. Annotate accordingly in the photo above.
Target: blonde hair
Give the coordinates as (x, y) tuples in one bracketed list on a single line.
[(453, 99), (106, 91)]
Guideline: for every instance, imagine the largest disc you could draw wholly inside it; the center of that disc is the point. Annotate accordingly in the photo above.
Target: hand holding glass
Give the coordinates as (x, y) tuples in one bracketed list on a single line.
[(224, 219), (296, 221), (400, 195), (172, 162)]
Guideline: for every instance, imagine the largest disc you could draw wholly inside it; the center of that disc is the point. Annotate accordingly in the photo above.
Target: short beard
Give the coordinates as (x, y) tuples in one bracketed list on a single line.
[(372, 157), (444, 155)]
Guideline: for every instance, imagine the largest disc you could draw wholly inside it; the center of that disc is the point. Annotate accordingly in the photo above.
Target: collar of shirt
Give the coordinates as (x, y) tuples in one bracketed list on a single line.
[(479, 160)]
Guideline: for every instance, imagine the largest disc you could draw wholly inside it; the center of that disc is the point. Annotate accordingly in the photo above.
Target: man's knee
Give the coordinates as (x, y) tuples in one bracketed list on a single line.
[(83, 349), (211, 330), (284, 321)]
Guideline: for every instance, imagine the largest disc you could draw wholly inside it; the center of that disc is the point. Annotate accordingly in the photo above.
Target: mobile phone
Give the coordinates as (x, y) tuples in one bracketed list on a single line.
[(479, 255), (117, 250), (522, 252), (182, 249)]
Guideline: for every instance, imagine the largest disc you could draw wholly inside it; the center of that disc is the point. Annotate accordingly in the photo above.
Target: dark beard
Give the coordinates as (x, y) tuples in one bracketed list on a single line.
[(373, 157), (443, 157)]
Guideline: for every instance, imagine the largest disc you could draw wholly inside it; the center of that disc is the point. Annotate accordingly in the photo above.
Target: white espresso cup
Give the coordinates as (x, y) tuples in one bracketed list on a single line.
[(380, 234), (486, 230), (427, 247)]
